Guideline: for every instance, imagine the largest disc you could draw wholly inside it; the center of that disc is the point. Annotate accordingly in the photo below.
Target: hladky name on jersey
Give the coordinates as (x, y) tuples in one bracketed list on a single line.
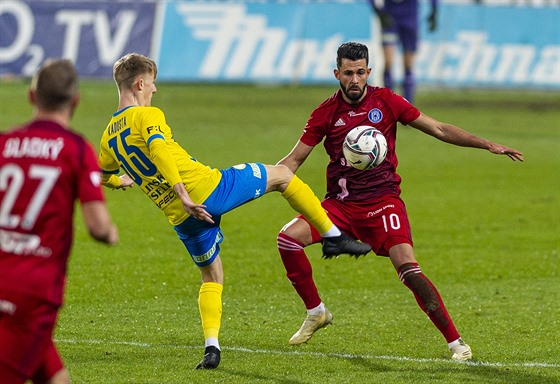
[(116, 126), (35, 147)]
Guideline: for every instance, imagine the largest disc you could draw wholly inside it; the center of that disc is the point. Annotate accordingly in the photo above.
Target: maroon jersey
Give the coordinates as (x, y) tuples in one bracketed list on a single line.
[(334, 118), (44, 168)]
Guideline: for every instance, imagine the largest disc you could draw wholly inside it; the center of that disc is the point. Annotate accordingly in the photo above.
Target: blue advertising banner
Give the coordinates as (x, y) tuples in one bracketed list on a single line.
[(476, 45), (93, 34), (490, 46), (246, 41)]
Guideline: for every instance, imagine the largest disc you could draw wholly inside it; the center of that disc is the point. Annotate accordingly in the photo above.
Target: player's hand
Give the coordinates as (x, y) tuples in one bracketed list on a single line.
[(199, 212), (126, 182), (113, 236), (513, 154), (432, 21)]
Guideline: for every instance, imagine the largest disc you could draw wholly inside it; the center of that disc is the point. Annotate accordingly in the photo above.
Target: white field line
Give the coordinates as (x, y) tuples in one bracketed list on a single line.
[(317, 354)]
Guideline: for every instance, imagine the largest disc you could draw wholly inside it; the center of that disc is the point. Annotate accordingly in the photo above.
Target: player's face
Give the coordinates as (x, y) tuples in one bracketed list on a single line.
[(353, 77)]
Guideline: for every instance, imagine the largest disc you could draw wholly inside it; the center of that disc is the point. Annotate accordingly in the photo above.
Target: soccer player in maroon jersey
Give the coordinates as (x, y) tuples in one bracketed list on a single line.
[(367, 204), (44, 169)]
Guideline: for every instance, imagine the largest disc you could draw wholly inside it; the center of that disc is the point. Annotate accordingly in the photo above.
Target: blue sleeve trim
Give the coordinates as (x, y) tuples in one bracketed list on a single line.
[(153, 137)]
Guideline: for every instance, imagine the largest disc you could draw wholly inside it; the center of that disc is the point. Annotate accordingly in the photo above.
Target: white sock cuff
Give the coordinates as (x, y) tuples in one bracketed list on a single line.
[(454, 343), (211, 341), (317, 310), (333, 232)]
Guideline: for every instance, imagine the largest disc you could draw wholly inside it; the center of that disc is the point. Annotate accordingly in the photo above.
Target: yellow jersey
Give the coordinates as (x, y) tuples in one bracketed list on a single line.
[(139, 141)]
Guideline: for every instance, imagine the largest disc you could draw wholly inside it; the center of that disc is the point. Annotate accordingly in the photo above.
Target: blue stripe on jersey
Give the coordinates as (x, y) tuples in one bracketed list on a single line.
[(122, 110), (156, 136)]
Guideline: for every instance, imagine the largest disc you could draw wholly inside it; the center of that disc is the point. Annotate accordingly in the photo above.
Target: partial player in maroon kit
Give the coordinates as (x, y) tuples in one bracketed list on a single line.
[(367, 204), (44, 169)]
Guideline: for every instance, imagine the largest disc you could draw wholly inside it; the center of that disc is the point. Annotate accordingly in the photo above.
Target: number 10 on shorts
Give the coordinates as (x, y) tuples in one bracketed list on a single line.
[(391, 221)]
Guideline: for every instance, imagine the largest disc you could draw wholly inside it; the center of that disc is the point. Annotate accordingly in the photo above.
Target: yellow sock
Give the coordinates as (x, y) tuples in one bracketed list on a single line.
[(210, 307), (302, 199)]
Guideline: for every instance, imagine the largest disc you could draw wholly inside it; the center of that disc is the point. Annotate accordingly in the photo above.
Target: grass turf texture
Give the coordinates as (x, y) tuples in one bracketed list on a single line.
[(486, 232)]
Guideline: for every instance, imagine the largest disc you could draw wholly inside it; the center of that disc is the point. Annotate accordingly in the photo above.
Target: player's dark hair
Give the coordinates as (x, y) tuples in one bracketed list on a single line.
[(352, 51), (55, 84), (130, 66)]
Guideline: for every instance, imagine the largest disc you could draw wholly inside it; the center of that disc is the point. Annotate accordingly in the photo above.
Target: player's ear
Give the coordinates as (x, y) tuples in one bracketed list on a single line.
[(75, 100), (336, 74), (74, 103), (31, 96)]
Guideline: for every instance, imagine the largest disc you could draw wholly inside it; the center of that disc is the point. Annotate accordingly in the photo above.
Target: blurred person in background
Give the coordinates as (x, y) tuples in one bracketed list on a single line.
[(400, 25), (45, 168)]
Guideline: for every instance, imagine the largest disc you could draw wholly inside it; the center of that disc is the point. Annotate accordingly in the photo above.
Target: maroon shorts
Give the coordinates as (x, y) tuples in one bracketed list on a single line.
[(26, 328), (381, 224)]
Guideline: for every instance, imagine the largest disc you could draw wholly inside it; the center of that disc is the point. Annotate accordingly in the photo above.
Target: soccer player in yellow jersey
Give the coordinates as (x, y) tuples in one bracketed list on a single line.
[(194, 196)]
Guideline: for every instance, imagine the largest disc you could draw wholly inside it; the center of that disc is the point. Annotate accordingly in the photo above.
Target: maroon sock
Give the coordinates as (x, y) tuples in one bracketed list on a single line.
[(298, 270), (428, 299)]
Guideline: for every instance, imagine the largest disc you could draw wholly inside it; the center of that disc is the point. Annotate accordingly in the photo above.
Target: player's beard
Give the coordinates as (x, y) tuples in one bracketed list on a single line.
[(354, 96)]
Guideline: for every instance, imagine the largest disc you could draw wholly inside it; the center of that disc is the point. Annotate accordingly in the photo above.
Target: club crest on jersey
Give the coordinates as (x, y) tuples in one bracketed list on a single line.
[(375, 115)]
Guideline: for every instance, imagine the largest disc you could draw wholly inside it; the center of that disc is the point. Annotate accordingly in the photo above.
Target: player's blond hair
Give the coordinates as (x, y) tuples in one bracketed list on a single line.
[(130, 66), (55, 84)]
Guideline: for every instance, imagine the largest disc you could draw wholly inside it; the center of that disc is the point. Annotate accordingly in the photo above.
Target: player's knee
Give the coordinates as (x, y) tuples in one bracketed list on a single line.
[(278, 177), (284, 173)]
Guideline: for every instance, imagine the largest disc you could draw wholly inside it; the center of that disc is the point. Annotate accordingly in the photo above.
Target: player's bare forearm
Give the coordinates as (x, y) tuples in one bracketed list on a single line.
[(98, 222), (452, 134), (457, 136), (296, 157)]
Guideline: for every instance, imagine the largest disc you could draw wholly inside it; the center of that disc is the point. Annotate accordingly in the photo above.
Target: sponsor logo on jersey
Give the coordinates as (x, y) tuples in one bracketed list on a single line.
[(95, 178), (7, 307), (352, 113), (375, 115), (339, 123), (23, 244)]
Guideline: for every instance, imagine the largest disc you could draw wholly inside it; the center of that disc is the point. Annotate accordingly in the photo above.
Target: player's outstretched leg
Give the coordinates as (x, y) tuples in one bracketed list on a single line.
[(334, 246), (311, 324), (211, 358), (301, 198)]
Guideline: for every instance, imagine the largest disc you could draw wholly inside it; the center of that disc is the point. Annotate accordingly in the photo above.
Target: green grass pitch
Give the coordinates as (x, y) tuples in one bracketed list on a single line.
[(486, 232)]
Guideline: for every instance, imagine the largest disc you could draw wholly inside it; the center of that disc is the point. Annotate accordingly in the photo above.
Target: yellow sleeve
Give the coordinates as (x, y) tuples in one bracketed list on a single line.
[(111, 181), (155, 132), (164, 161)]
